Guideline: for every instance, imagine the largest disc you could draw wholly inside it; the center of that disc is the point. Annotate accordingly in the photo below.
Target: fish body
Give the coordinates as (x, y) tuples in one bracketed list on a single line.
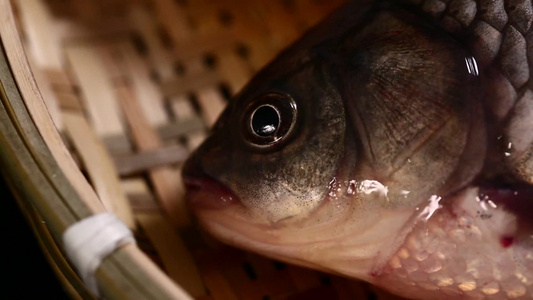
[(393, 143)]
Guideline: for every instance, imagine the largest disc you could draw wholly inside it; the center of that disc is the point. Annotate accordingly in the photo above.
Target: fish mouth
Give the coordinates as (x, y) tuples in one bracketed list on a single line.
[(205, 192)]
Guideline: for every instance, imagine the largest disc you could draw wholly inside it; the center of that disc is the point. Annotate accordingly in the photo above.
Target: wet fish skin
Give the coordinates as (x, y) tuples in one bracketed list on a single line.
[(499, 35), (409, 163)]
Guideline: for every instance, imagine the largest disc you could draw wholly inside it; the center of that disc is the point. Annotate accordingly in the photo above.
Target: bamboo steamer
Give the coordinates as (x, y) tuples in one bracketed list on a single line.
[(101, 101)]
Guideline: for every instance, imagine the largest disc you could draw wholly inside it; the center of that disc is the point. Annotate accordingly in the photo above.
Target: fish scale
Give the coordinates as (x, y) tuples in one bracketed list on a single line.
[(521, 15), (499, 33), (493, 12), (488, 19), (425, 268)]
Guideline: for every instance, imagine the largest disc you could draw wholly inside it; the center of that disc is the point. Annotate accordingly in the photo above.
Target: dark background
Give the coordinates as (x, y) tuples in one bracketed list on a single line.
[(26, 272)]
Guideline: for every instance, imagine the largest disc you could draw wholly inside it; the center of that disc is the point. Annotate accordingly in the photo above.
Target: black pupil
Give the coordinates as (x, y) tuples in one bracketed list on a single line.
[(265, 121)]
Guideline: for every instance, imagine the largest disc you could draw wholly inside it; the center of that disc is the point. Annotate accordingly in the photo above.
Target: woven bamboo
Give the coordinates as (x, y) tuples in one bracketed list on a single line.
[(101, 101)]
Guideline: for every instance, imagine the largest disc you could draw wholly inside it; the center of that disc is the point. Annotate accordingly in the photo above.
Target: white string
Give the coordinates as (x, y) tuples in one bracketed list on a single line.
[(92, 239)]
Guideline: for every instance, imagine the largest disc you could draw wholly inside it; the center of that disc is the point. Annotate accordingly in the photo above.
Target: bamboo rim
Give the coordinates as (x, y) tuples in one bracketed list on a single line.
[(41, 171)]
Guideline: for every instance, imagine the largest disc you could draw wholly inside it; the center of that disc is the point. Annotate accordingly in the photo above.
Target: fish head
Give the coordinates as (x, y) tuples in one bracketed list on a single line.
[(277, 144), (337, 150), (340, 138)]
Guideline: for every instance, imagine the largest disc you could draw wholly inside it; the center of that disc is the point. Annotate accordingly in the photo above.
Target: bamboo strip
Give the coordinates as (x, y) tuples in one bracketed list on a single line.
[(212, 105), (58, 79), (140, 197), (187, 46), (182, 107), (184, 111), (68, 101), (217, 284), (129, 262), (72, 30), (101, 102), (189, 84), (100, 167), (210, 100), (157, 54), (173, 18), (45, 49), (220, 40), (94, 11), (261, 266), (204, 15), (195, 140), (117, 144), (196, 66), (233, 70), (50, 99), (165, 180), (209, 43), (175, 256), (177, 129), (149, 96), (44, 43), (170, 86), (144, 161), (310, 12), (256, 49), (261, 52), (304, 279), (280, 23), (276, 284)]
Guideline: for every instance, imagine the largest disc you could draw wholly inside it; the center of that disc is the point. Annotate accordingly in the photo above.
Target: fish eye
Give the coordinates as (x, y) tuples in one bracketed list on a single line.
[(269, 119), (265, 120)]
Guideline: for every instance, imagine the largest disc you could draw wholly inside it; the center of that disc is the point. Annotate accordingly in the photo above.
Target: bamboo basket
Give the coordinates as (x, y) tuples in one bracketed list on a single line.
[(101, 101)]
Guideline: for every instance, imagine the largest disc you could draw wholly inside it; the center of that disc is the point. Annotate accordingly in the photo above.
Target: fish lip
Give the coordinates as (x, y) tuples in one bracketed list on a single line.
[(208, 193), (205, 192)]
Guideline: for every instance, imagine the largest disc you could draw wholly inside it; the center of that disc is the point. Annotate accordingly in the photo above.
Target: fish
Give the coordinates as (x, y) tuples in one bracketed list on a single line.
[(392, 143)]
